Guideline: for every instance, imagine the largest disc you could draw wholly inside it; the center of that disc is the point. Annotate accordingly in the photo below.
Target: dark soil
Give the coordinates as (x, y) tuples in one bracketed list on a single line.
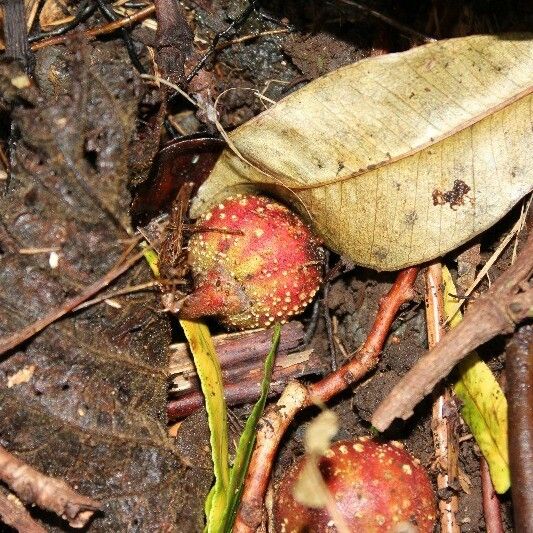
[(120, 138)]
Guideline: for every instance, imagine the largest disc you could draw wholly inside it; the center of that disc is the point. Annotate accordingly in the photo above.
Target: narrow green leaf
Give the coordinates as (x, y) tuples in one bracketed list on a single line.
[(247, 440), (210, 375), (484, 406)]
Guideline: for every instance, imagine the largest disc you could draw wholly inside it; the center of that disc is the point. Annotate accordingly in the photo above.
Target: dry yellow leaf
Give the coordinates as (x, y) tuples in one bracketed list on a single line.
[(396, 159)]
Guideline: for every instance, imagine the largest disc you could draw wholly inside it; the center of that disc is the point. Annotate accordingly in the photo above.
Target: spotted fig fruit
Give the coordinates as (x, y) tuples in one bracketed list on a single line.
[(376, 487), (253, 262)]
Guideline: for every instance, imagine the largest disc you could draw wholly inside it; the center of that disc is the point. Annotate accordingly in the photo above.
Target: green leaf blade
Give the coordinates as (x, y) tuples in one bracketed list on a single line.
[(484, 409), (248, 436), (210, 375)]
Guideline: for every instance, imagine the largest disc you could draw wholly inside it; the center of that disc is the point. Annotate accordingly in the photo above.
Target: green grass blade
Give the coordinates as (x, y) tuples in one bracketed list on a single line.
[(247, 440)]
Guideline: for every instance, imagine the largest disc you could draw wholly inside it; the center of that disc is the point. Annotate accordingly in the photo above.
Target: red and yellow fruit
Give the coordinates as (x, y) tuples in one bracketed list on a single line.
[(376, 487), (253, 262)]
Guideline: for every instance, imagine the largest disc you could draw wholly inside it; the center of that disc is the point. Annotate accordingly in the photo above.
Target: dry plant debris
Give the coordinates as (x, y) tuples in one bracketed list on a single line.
[(48, 493), (507, 303)]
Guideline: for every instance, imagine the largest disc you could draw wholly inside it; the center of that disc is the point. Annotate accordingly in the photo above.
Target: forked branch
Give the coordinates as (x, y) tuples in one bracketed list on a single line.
[(297, 396)]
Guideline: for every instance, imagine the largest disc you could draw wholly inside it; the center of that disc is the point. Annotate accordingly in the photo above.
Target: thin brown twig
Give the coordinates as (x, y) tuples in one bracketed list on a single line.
[(505, 304), (49, 493), (519, 376), (14, 514), (10, 342), (444, 440), (119, 292), (3, 159), (390, 21), (102, 29), (251, 37), (297, 396), (491, 503)]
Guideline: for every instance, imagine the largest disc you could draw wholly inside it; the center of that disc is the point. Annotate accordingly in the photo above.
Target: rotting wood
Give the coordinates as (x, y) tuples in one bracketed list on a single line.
[(241, 357)]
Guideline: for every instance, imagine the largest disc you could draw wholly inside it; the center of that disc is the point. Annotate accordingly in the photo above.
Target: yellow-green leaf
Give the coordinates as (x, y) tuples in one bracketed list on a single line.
[(484, 406), (210, 375), (398, 158), (151, 257)]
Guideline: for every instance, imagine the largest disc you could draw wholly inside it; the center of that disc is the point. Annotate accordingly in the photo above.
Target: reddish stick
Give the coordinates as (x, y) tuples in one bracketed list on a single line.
[(491, 503), (297, 396)]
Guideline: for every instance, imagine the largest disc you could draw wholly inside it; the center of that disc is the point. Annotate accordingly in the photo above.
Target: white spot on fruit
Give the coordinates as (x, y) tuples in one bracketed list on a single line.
[(380, 519), (407, 469)]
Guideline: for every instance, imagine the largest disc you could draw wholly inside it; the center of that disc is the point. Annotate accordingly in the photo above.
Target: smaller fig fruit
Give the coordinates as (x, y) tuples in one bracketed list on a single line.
[(376, 487), (253, 262)]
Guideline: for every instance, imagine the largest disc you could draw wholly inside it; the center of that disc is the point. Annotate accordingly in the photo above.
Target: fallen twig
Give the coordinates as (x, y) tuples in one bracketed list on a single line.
[(391, 22), (519, 374), (505, 304), (513, 234), (234, 349), (444, 438), (102, 29), (32, 329), (491, 503), (297, 396), (244, 391), (14, 514), (47, 492), (119, 292), (243, 383), (251, 37)]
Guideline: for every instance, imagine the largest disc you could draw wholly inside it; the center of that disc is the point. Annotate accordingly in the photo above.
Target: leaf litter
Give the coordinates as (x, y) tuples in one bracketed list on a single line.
[(93, 410)]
